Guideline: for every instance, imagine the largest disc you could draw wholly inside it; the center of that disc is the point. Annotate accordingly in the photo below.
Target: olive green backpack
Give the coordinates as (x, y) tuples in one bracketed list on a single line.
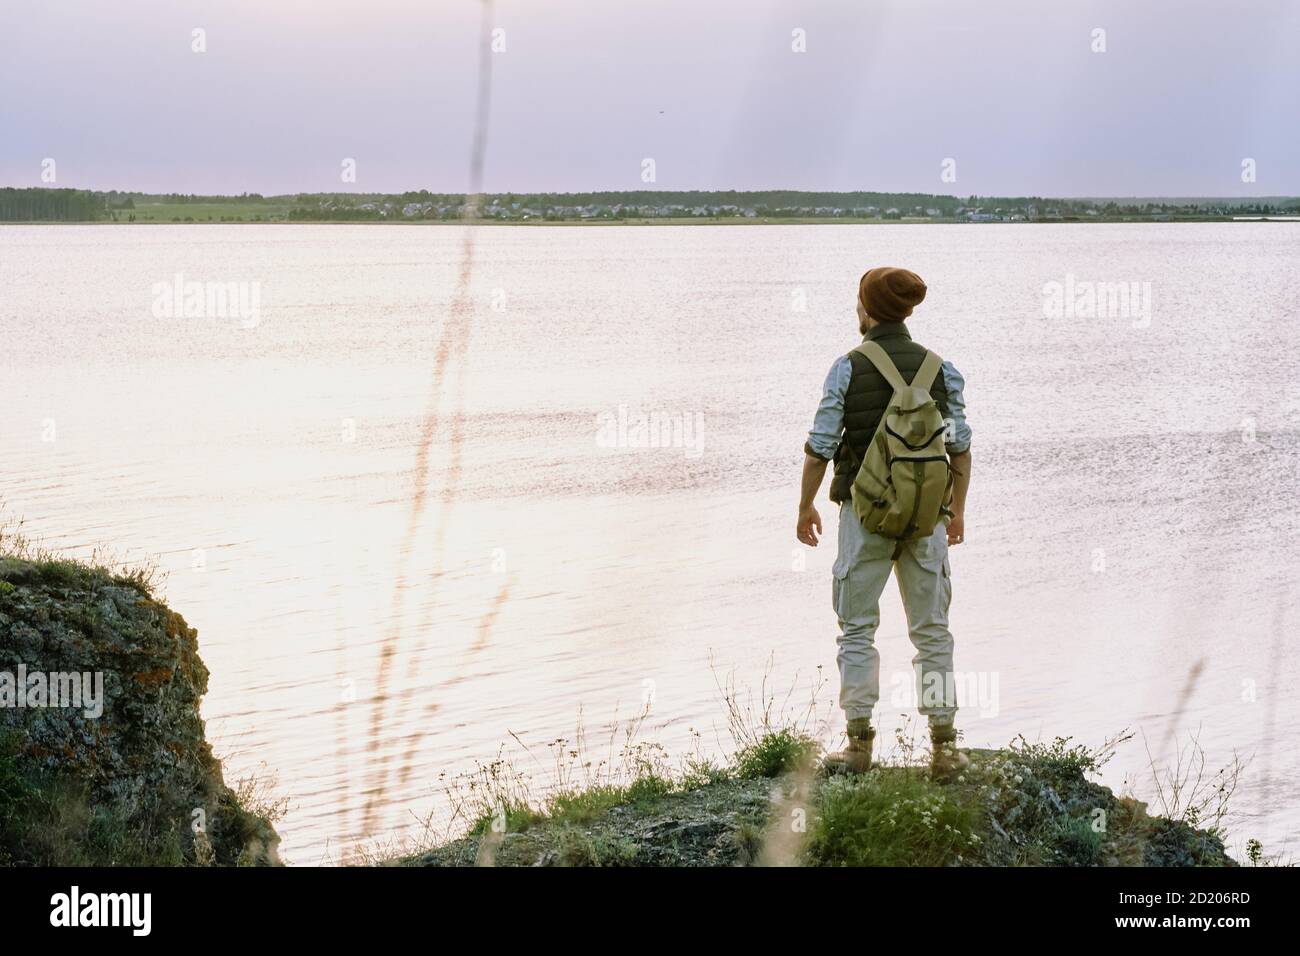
[(904, 482)]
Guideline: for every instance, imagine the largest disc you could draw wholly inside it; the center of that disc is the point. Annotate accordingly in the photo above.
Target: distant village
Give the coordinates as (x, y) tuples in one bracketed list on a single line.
[(35, 204), (524, 210)]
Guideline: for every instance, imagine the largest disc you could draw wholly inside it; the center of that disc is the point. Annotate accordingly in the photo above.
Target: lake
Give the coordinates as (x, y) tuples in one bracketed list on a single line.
[(415, 508)]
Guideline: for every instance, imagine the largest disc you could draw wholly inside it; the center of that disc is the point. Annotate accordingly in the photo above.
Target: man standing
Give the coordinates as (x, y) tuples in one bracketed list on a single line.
[(855, 398)]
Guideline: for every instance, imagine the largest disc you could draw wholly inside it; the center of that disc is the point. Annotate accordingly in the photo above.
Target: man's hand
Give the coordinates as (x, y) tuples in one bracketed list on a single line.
[(956, 529), (961, 482), (808, 520), (814, 469)]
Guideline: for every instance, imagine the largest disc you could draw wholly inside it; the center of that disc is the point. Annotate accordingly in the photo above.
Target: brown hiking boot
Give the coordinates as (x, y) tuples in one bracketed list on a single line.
[(856, 757), (946, 761)]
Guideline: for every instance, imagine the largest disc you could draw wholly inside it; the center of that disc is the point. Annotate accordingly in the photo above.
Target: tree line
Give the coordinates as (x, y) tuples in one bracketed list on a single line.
[(51, 205)]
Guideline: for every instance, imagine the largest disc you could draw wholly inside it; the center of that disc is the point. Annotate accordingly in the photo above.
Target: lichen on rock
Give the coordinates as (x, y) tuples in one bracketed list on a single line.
[(124, 773)]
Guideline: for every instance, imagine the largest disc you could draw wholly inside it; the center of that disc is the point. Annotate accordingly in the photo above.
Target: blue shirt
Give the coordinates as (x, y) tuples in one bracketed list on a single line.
[(828, 424)]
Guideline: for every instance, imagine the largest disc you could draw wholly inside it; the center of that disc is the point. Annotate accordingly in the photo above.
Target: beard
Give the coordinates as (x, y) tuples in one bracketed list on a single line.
[(863, 320)]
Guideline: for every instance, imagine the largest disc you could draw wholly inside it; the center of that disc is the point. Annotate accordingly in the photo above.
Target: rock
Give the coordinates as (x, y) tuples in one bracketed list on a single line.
[(997, 827), (121, 728)]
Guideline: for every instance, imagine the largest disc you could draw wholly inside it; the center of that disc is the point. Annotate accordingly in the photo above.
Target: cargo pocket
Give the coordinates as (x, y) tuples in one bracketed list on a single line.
[(931, 552), (839, 583), (945, 586), (845, 542)]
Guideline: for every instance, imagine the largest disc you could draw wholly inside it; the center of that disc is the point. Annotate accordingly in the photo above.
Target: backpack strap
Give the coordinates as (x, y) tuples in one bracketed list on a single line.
[(924, 378), (883, 363), (925, 374)]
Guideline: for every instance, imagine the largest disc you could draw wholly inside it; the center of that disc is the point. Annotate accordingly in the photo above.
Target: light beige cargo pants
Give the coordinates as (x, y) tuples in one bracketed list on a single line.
[(860, 572)]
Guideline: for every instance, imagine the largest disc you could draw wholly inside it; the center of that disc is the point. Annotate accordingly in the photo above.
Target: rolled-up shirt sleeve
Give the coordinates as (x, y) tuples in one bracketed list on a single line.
[(957, 436), (828, 423)]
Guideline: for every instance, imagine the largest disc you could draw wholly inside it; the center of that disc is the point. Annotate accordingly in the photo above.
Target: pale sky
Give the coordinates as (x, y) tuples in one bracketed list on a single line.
[(711, 90)]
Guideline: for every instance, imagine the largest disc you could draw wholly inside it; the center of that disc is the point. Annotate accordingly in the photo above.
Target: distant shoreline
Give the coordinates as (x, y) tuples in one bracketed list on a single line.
[(651, 207), (615, 223)]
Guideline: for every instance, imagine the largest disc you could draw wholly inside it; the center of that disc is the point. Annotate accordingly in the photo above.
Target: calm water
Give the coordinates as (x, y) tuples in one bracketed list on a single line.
[(1132, 528)]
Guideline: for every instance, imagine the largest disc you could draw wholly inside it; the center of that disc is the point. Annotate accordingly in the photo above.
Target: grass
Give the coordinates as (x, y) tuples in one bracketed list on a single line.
[(891, 817), (23, 559), (1075, 840), (1189, 792), (48, 820), (583, 806), (497, 797), (1030, 804), (1058, 759), (207, 212), (580, 849), (772, 734), (587, 782), (777, 752)]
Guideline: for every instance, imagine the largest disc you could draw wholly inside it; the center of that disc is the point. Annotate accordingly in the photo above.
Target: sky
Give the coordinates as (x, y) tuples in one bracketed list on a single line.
[(944, 96)]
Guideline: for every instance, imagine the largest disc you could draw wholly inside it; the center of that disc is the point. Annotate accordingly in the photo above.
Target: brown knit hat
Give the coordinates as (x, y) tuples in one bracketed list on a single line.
[(889, 295)]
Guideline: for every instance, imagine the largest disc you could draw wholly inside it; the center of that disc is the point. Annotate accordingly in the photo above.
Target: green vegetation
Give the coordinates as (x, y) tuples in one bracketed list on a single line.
[(48, 820), (1027, 805), (121, 783), (775, 753), (770, 803), (149, 210), (23, 560), (892, 818), (632, 206), (51, 205), (52, 819)]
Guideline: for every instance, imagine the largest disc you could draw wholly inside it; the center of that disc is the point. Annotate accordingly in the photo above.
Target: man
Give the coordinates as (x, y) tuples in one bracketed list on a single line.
[(855, 398)]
